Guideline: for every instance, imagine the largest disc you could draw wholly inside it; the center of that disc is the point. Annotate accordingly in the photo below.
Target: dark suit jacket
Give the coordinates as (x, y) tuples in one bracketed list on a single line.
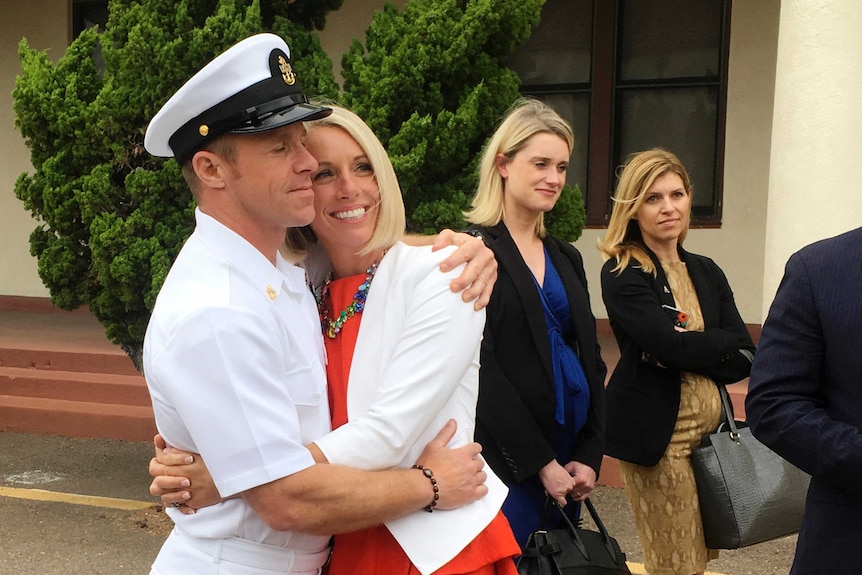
[(805, 396), (515, 412), (642, 397)]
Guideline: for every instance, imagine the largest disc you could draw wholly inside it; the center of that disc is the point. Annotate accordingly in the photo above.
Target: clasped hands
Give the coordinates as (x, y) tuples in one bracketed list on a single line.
[(575, 480)]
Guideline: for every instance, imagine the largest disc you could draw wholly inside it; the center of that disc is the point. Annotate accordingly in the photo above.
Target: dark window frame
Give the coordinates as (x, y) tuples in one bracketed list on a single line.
[(78, 10), (605, 107)]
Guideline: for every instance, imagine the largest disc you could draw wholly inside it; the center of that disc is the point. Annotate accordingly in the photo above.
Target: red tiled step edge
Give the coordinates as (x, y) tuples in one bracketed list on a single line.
[(59, 360), (74, 386), (76, 418)]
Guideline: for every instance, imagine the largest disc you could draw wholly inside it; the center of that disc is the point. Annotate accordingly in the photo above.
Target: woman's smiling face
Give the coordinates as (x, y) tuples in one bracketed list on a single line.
[(346, 194)]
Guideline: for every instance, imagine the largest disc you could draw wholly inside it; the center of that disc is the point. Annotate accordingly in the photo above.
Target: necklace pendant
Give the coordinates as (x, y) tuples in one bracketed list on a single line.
[(331, 328)]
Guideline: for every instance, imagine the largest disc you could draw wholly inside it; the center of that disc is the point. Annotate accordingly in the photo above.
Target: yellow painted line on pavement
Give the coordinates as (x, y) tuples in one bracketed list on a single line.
[(638, 569), (91, 500), (130, 505)]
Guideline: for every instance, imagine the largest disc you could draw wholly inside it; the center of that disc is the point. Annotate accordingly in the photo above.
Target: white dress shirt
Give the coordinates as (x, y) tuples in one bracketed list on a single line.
[(234, 362)]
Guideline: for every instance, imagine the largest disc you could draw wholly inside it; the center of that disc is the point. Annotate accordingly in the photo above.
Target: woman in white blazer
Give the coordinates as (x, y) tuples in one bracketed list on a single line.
[(403, 359)]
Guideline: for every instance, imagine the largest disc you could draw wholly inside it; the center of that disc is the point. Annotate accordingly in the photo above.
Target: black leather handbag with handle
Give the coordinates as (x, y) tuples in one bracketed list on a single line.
[(572, 550)]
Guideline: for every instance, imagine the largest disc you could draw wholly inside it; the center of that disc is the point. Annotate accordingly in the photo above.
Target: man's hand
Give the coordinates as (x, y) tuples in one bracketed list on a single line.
[(478, 276), (458, 471)]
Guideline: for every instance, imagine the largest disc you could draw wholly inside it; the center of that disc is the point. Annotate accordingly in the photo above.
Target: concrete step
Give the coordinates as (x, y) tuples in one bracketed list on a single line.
[(76, 418), (115, 362), (59, 375), (75, 386), (737, 392)]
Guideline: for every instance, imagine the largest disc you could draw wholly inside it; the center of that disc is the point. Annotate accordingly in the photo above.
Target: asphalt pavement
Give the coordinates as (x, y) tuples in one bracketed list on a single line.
[(81, 507), (75, 534)]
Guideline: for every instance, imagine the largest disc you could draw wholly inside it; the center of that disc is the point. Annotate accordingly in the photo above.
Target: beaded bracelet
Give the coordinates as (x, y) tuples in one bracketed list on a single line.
[(430, 475)]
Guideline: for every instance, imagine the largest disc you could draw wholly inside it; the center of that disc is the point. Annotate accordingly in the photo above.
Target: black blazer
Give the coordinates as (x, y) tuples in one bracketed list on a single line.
[(805, 396), (515, 412), (642, 397)]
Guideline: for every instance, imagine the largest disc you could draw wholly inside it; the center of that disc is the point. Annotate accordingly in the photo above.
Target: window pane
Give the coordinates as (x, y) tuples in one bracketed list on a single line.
[(90, 14), (683, 120), (575, 109), (87, 14), (670, 39), (558, 52)]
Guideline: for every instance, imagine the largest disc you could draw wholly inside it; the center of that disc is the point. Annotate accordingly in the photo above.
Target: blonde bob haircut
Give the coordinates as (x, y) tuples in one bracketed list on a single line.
[(391, 220), (526, 118), (623, 239)]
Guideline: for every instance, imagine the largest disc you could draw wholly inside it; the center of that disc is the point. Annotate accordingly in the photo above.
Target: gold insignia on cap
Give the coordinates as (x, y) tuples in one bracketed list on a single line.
[(270, 291), (204, 130), (286, 71)]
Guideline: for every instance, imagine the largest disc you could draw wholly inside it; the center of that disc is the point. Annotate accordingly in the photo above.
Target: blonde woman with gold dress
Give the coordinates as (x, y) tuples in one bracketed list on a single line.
[(679, 333)]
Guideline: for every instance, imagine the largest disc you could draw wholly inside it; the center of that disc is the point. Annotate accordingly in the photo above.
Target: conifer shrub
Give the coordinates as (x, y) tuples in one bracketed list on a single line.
[(112, 218), (431, 80)]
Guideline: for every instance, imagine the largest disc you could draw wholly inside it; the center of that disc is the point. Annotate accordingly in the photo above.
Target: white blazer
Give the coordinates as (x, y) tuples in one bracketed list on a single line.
[(415, 366)]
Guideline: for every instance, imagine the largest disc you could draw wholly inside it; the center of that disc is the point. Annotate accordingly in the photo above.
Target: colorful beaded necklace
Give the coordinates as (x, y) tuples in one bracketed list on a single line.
[(332, 327)]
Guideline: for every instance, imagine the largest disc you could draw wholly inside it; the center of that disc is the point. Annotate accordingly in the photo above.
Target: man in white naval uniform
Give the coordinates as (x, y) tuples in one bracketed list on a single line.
[(233, 355)]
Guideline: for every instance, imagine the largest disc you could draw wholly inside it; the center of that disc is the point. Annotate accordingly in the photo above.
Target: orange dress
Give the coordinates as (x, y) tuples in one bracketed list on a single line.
[(375, 551)]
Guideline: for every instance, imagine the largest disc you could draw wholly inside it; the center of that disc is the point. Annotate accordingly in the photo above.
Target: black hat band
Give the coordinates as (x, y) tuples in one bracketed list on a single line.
[(256, 104)]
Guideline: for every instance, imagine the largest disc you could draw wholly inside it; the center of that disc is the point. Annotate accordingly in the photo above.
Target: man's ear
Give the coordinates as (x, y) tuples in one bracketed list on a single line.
[(209, 168)]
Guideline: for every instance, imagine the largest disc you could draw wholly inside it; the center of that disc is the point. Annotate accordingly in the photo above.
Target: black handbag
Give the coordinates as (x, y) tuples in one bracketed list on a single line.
[(747, 492), (572, 550)]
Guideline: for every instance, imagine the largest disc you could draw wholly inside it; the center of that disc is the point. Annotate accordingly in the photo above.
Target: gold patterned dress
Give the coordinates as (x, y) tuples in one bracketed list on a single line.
[(664, 497)]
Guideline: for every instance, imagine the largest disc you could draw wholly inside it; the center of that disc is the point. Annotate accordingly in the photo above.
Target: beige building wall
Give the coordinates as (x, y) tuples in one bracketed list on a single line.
[(45, 24), (349, 24), (738, 246), (816, 146)]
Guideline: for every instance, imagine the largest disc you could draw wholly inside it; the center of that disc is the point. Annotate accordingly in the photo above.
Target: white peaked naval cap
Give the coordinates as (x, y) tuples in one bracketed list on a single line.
[(249, 88)]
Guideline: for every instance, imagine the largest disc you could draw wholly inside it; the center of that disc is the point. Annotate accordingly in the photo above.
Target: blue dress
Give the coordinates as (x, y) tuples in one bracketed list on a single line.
[(525, 503)]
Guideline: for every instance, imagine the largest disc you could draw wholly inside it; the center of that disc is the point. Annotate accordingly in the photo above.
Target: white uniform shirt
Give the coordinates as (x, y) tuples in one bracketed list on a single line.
[(233, 358)]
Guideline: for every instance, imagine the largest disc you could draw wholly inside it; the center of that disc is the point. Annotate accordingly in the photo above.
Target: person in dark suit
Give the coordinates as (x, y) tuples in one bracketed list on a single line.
[(541, 383), (805, 396), (679, 333)]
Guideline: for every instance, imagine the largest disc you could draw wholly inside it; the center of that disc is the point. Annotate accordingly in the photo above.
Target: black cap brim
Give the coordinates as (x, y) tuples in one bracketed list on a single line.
[(297, 113)]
